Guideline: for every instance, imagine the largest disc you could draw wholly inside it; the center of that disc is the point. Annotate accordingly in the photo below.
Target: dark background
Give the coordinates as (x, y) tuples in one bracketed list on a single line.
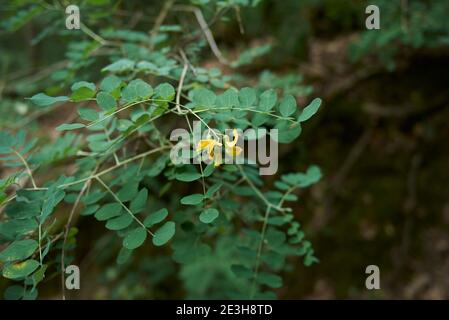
[(380, 137)]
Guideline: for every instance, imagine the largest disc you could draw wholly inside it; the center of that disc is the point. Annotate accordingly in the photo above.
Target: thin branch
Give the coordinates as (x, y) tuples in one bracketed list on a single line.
[(123, 109), (239, 19), (181, 81), (159, 20), (201, 119), (201, 165), (117, 161), (144, 154), (92, 34), (259, 193), (123, 205), (66, 232), (206, 30), (259, 250), (25, 163), (290, 119)]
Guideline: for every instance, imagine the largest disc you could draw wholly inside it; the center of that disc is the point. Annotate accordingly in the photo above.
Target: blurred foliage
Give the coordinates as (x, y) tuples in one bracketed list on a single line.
[(121, 82), (380, 142)]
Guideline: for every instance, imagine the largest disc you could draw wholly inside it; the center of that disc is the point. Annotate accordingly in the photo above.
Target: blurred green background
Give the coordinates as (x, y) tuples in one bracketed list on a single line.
[(380, 138)]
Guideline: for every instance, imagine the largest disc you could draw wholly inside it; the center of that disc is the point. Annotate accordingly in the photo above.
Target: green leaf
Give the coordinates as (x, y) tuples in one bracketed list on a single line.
[(129, 191), (82, 90), (269, 279), (157, 166), (90, 210), (165, 91), (83, 84), (137, 90), (164, 233), (247, 56), (259, 119), (241, 271), (93, 197), (20, 17), (20, 269), (212, 189), (204, 97), (135, 238), (14, 292), (82, 94), (310, 110), (209, 215), (108, 211), (192, 199), (247, 97), (268, 100), (188, 176), (106, 101), (119, 66), (18, 250), (288, 105), (23, 210), (100, 146), (313, 175), (302, 180), (229, 98), (39, 275), (88, 114), (70, 126), (143, 89), (13, 228), (139, 202), (155, 217), (41, 99), (30, 294), (110, 83), (50, 203), (210, 168), (121, 222), (123, 255), (287, 131)]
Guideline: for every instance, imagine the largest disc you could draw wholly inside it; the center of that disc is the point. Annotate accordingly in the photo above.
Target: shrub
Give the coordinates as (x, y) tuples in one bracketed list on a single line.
[(218, 226)]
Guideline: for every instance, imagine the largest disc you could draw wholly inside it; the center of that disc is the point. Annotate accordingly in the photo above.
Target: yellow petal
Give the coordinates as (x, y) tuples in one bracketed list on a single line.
[(234, 141), (238, 150), (234, 151), (210, 151), (217, 161), (203, 144)]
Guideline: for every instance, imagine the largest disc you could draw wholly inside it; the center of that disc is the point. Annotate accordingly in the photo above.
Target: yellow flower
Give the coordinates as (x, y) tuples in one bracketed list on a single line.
[(217, 160), (231, 146), (210, 145)]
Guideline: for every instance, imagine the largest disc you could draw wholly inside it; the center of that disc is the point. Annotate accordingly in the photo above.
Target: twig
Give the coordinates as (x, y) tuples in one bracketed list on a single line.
[(93, 35), (338, 179), (66, 232), (259, 250), (144, 154), (259, 193), (239, 19), (202, 121), (206, 30), (159, 20), (352, 157), (25, 163), (203, 182), (122, 204), (290, 119), (117, 161), (181, 81)]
